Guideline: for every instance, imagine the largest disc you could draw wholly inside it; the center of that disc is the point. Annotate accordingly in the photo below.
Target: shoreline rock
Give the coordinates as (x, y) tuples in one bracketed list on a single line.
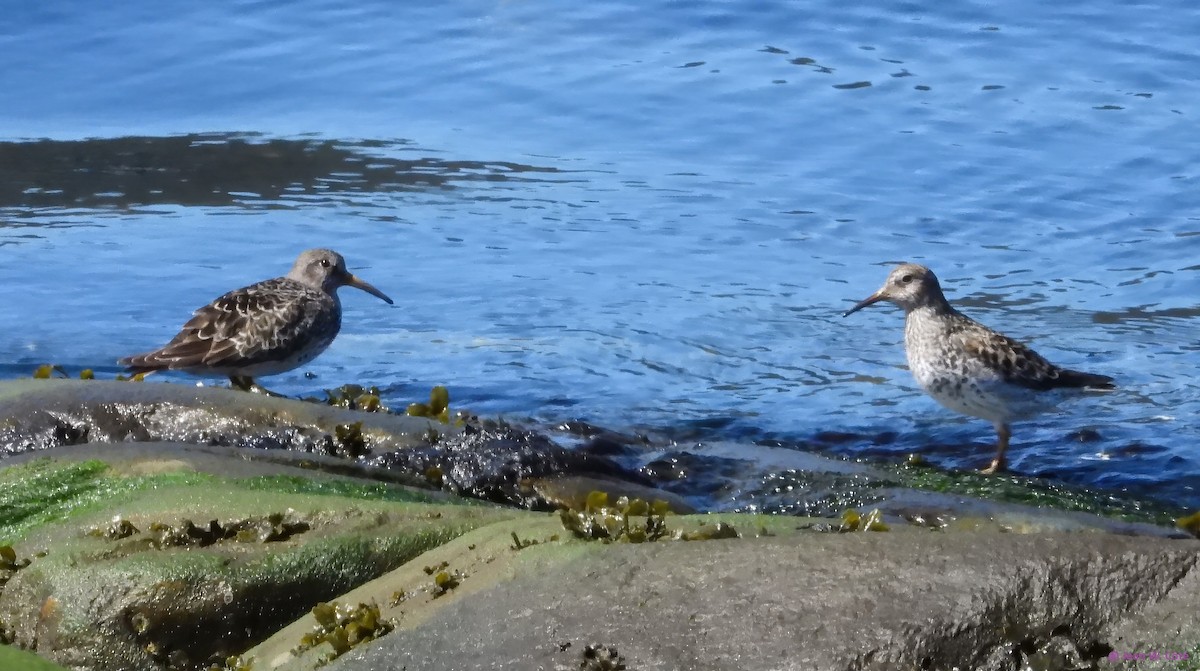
[(174, 555), (978, 600)]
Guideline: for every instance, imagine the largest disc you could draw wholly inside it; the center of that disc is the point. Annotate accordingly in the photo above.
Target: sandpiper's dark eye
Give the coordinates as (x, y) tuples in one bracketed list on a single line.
[(324, 263), (906, 279)]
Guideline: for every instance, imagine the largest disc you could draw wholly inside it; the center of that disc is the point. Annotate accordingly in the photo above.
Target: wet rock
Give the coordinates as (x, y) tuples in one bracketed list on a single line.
[(495, 461), (486, 460), (42, 414), (571, 491)]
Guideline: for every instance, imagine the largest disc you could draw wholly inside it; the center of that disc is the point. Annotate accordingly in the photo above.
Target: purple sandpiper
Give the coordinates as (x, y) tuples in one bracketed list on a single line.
[(264, 329), (968, 367)]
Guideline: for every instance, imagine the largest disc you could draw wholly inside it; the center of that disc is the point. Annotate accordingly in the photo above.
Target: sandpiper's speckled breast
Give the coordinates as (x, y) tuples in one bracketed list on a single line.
[(941, 364)]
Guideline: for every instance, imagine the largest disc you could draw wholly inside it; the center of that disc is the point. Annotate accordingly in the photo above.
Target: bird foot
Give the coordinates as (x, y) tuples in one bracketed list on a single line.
[(248, 384), (997, 466), (257, 388)]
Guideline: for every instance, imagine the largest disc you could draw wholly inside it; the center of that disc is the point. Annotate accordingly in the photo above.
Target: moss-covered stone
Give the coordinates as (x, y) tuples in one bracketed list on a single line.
[(20, 660), (1032, 492), (180, 569)]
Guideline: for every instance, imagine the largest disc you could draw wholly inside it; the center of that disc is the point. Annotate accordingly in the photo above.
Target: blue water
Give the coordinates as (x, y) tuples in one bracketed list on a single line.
[(649, 215)]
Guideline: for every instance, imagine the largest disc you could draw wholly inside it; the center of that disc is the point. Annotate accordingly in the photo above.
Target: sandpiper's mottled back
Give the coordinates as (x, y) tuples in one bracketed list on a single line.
[(263, 329), (968, 367)]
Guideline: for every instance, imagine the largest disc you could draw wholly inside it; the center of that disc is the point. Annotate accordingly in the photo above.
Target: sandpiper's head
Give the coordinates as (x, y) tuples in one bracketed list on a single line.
[(325, 269), (909, 286)]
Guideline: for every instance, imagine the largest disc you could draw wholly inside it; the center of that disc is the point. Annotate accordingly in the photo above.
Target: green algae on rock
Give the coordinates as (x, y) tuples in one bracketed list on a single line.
[(14, 659), (1036, 492), (161, 592), (42, 491)]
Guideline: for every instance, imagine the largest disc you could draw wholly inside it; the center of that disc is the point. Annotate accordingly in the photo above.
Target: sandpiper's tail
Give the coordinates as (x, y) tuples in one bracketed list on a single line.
[(1075, 378)]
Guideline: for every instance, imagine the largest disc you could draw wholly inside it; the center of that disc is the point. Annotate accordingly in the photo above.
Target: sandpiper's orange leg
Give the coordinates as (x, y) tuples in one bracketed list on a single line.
[(999, 464)]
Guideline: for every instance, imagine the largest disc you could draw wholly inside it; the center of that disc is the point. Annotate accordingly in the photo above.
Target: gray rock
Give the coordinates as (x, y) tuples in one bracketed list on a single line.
[(1168, 626), (871, 601)]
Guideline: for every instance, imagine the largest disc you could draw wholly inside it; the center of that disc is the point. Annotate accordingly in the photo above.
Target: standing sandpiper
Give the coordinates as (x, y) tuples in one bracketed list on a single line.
[(263, 329), (968, 367)]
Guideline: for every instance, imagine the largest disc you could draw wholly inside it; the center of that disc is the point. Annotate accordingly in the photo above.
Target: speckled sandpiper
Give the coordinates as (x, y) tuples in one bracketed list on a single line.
[(264, 329), (968, 367)]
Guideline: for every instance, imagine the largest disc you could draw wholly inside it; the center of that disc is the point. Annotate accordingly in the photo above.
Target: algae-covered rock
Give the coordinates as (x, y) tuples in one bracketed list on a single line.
[(13, 659), (178, 570)]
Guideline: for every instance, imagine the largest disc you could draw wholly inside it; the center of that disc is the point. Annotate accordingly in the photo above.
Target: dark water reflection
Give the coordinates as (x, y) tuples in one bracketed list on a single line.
[(225, 170)]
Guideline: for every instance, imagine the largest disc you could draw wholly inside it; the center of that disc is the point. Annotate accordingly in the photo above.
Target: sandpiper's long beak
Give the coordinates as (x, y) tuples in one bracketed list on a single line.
[(354, 281), (869, 300)]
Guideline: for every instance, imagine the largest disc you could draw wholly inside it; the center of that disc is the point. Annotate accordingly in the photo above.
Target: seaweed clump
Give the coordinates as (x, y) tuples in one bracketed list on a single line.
[(626, 521), (354, 397), (1190, 523), (344, 626), (235, 663), (872, 521), (852, 521), (519, 544), (47, 371), (443, 580), (117, 529), (9, 564), (602, 658), (438, 407), (272, 528), (709, 532), (348, 441)]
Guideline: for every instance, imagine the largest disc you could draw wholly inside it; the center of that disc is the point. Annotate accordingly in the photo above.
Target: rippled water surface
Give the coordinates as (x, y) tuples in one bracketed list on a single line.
[(646, 215)]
